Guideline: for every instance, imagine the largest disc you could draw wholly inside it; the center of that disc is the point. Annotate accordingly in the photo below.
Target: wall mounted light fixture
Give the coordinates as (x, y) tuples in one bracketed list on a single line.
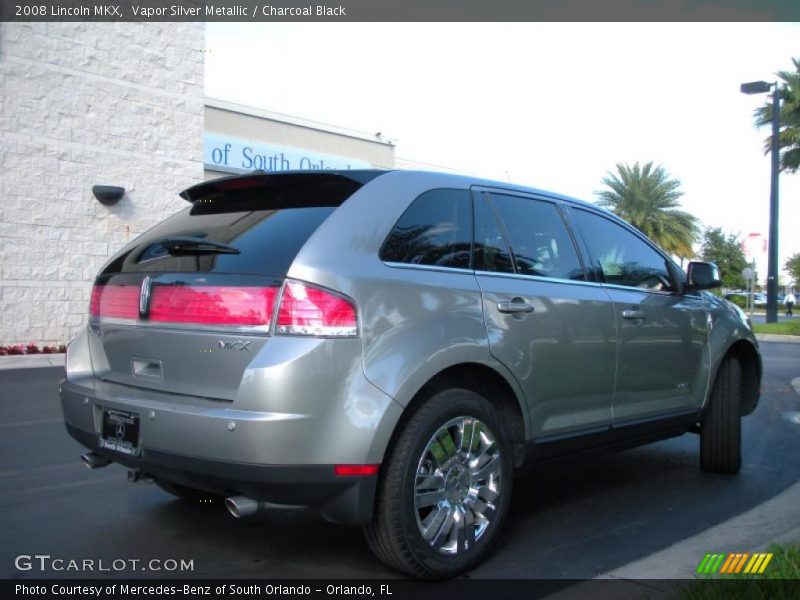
[(108, 194)]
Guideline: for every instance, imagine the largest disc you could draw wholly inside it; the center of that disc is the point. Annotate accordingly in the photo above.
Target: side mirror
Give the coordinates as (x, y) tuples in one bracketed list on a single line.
[(702, 276)]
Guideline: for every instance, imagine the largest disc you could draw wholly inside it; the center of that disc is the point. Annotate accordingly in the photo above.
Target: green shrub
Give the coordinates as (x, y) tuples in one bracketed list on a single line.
[(739, 300)]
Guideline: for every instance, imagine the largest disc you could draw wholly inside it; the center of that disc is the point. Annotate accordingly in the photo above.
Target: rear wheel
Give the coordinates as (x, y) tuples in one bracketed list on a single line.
[(187, 493), (445, 489), (721, 429)]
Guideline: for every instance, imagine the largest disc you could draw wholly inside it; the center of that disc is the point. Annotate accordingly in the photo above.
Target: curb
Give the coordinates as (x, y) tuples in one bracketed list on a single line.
[(663, 573), (31, 361), (655, 576), (758, 528), (774, 337)]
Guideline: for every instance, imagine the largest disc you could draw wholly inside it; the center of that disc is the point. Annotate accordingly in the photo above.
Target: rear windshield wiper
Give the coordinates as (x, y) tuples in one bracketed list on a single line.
[(191, 245)]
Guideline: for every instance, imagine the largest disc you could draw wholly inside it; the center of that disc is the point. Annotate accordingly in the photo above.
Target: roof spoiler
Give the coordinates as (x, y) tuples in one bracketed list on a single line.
[(219, 188)]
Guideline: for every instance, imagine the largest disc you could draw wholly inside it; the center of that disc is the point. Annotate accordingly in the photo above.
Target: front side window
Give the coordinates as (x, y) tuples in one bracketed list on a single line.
[(540, 243), (621, 257), (436, 230)]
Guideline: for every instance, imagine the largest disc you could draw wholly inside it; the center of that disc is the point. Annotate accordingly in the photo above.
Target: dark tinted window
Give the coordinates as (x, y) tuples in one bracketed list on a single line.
[(267, 218), (490, 250), (267, 240), (622, 257), (539, 239), (435, 230)]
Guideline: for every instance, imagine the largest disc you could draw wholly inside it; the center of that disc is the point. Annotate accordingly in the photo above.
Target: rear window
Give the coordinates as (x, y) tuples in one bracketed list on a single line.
[(265, 220)]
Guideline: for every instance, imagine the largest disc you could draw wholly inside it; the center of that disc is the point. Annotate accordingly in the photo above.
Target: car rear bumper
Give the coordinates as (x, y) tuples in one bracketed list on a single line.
[(303, 406), (346, 500)]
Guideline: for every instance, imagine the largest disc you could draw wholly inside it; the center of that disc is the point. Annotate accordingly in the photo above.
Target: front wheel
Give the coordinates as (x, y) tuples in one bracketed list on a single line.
[(721, 429), (445, 490)]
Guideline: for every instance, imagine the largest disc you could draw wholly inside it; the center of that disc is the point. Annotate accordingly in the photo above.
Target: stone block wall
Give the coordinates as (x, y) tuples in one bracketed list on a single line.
[(84, 104)]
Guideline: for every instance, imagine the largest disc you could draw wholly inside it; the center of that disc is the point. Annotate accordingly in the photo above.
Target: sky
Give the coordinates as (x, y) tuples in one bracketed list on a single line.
[(550, 105)]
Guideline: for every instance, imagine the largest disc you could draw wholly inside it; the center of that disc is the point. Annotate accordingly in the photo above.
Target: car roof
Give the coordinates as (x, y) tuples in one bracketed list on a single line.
[(469, 181)]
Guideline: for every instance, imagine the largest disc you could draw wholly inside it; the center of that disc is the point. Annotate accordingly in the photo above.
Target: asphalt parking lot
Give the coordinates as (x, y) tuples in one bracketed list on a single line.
[(571, 521)]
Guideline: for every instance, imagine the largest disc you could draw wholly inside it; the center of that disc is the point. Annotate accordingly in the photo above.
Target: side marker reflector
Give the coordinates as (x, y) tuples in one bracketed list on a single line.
[(355, 470)]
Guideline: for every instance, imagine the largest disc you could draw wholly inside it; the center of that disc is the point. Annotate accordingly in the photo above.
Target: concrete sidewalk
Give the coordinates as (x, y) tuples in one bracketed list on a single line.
[(31, 361), (774, 337), (776, 521)]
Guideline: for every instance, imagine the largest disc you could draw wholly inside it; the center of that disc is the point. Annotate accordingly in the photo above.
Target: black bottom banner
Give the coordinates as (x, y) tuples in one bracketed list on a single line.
[(463, 589)]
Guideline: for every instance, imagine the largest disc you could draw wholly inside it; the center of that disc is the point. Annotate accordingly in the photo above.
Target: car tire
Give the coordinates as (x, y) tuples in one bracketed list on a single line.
[(721, 428), (468, 489), (187, 493)]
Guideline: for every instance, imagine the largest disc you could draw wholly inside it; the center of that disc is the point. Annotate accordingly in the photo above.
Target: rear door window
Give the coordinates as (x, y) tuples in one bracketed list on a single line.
[(540, 242), (490, 251), (435, 230)]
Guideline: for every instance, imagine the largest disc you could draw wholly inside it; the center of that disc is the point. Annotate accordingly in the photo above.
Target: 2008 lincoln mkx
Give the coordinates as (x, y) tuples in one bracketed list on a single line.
[(389, 347)]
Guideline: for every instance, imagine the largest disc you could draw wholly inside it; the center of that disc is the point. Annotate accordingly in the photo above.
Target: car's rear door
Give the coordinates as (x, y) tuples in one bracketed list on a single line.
[(545, 322)]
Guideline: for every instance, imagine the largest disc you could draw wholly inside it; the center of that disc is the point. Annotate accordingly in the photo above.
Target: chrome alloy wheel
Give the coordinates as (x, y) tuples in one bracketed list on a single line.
[(457, 485)]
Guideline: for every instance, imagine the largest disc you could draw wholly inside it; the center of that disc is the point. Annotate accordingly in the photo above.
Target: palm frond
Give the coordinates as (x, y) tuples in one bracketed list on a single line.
[(789, 119), (648, 198)]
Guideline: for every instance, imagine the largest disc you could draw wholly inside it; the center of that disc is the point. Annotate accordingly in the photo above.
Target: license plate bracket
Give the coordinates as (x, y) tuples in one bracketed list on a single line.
[(120, 432)]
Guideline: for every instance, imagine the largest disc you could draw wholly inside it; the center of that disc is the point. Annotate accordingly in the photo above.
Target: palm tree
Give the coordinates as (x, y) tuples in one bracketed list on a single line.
[(789, 136), (647, 198)]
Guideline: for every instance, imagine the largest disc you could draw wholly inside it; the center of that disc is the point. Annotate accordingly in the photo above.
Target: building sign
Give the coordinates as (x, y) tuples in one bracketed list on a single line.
[(237, 155)]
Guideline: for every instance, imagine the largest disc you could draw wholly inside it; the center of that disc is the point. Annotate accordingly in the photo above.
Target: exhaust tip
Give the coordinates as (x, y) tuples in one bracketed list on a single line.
[(230, 505), (241, 506), (92, 460)]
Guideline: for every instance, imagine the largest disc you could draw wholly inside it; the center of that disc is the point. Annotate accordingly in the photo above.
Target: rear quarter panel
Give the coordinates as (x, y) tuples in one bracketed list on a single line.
[(415, 322)]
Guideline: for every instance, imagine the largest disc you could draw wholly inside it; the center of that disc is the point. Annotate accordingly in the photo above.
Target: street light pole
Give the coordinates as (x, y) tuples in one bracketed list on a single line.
[(772, 257), (761, 87)]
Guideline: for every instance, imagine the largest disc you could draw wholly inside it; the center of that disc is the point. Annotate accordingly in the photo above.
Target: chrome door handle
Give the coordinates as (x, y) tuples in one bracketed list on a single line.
[(632, 313), (514, 307)]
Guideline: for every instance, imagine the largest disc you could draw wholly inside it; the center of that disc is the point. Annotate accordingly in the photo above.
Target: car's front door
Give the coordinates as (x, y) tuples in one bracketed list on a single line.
[(662, 366), (550, 327)]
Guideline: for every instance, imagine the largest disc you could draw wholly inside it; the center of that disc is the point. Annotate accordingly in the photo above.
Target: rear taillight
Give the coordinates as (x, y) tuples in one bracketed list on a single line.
[(213, 305), (304, 309), (308, 310), (115, 301)]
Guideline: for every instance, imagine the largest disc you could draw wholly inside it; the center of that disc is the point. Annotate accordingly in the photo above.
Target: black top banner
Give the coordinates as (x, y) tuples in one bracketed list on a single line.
[(400, 10)]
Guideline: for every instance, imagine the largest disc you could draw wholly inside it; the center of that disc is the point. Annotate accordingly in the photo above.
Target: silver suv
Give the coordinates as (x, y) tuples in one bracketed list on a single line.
[(389, 347)]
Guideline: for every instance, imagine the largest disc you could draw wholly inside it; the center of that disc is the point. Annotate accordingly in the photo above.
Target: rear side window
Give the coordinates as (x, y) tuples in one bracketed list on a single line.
[(435, 230), (622, 258), (540, 242)]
